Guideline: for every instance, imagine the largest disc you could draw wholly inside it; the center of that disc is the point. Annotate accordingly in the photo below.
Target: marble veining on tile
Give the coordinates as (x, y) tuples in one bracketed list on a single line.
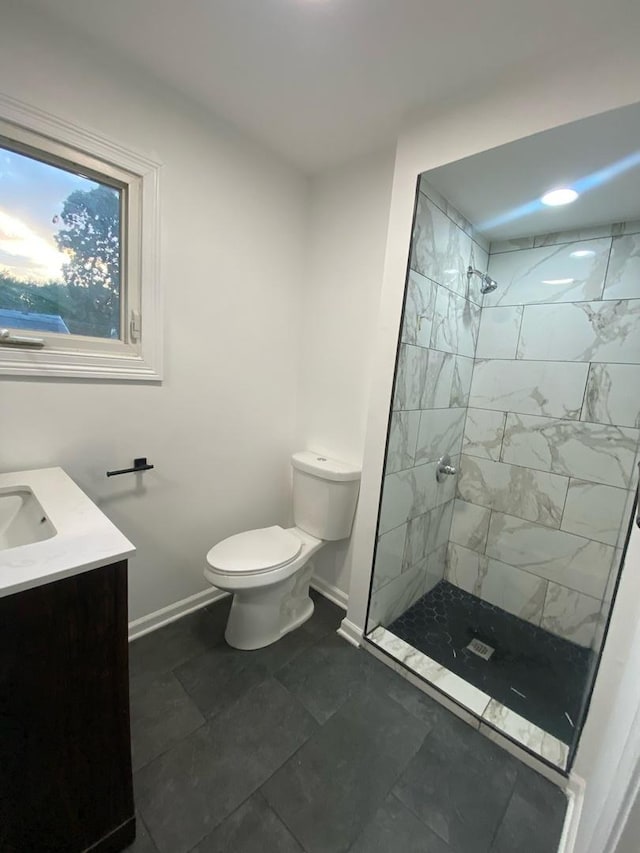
[(461, 382), (440, 433), (564, 558), (594, 511), (619, 229), (570, 614), (426, 534), (450, 683), (483, 433), (529, 387), (515, 726), (470, 525), (529, 735), (409, 493), (410, 377), (497, 247), (391, 600), (440, 527), (455, 324), (499, 331), (608, 399), (596, 452), (623, 275), (440, 250), (446, 207), (555, 751), (582, 331), (578, 235), (523, 492), (403, 436), (512, 590), (549, 274), (435, 567), (389, 556), (416, 546), (419, 310)]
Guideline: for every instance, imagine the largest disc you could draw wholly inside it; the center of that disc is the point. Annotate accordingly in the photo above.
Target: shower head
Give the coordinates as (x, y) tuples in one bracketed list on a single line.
[(488, 284)]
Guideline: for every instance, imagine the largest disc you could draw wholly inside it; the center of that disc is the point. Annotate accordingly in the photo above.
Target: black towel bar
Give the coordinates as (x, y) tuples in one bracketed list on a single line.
[(139, 464)]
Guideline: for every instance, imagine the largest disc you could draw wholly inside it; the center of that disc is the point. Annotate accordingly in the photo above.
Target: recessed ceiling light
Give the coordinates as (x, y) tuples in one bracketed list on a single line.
[(583, 253), (558, 280), (564, 195)]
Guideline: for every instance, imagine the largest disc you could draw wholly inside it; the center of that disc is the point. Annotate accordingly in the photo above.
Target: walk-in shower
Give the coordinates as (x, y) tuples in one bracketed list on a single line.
[(510, 468)]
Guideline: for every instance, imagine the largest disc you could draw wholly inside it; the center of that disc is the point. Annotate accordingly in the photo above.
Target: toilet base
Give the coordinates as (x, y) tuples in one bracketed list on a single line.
[(259, 617)]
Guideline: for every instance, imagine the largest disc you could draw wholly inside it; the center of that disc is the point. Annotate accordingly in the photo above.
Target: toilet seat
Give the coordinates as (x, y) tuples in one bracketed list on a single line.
[(254, 551)]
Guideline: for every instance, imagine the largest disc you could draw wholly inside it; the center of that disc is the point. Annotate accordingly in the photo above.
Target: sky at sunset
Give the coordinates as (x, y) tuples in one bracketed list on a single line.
[(31, 195)]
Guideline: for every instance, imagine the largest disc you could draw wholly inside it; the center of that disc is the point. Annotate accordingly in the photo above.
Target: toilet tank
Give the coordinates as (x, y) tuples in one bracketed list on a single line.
[(325, 494)]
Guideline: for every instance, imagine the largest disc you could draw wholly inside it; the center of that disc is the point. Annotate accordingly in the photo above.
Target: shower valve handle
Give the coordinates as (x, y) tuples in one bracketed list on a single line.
[(445, 468)]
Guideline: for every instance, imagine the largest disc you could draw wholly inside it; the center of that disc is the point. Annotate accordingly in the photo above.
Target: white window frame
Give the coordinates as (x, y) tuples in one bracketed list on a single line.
[(138, 353)]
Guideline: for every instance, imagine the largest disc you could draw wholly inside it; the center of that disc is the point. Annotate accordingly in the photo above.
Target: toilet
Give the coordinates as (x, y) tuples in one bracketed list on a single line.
[(268, 570)]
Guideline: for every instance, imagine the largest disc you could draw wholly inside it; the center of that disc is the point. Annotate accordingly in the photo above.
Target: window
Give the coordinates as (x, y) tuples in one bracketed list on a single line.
[(79, 291)]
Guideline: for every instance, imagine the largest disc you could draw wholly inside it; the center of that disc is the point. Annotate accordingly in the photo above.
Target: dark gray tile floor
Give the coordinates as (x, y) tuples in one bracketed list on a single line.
[(313, 746)]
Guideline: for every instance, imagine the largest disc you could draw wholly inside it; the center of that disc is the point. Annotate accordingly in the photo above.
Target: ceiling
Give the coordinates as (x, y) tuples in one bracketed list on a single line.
[(499, 190), (321, 81)]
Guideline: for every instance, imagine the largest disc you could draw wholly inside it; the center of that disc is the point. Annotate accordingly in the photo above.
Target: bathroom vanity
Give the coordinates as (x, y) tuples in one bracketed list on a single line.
[(65, 767)]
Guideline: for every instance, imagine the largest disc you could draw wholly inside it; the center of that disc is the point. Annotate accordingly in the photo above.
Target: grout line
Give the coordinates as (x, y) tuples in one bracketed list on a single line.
[(445, 287), (528, 571), (550, 360), (584, 394), (524, 307), (539, 524), (564, 505), (459, 227), (506, 808), (565, 419), (557, 302), (502, 439), (606, 271), (609, 236)]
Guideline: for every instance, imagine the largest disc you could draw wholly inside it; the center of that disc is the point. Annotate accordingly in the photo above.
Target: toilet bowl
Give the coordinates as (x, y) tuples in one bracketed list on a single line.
[(270, 595), (268, 570)]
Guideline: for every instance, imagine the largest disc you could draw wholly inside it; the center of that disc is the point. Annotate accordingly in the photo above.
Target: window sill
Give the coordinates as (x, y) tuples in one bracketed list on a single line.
[(17, 362)]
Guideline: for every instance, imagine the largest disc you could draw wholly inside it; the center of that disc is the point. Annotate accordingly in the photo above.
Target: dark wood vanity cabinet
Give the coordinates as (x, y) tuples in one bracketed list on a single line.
[(65, 755)]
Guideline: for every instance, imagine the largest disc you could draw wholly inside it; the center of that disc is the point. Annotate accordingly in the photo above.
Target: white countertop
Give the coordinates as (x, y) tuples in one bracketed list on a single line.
[(85, 538)]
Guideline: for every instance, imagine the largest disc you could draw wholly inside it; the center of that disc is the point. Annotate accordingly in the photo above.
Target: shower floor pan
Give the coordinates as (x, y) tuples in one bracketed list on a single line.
[(540, 676)]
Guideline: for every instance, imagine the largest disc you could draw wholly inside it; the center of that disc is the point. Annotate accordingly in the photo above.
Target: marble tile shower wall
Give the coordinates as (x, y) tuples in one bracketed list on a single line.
[(547, 469), (431, 394)]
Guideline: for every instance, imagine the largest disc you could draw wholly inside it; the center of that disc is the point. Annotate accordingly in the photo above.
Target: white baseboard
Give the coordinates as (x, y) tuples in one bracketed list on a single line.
[(155, 620), (350, 632), (575, 796), (330, 591)]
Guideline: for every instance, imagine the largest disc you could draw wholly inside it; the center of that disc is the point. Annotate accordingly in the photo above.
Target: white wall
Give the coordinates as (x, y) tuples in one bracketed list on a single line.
[(549, 94), (630, 840), (342, 278), (222, 425)]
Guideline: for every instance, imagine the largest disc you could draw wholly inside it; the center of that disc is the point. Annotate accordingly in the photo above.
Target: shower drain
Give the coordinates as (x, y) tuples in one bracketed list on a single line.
[(481, 649)]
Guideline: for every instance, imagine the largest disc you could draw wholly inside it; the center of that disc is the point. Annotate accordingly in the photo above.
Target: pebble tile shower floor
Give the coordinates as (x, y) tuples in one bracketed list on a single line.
[(313, 746), (542, 677)]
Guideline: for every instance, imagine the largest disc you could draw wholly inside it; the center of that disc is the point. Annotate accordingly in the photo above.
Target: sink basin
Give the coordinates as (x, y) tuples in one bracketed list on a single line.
[(22, 519), (50, 530)]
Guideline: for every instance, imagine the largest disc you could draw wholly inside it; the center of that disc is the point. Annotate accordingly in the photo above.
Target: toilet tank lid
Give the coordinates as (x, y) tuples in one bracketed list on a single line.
[(324, 467)]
